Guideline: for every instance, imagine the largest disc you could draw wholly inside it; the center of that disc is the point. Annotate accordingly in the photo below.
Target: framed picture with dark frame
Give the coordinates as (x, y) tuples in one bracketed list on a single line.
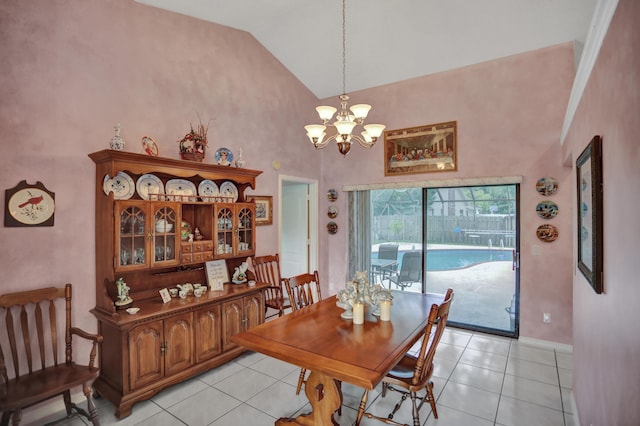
[(264, 208), (422, 149), (590, 229)]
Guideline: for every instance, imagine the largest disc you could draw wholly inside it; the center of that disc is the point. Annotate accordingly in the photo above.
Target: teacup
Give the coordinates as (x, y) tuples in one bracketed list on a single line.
[(182, 294), (198, 291), (173, 292)]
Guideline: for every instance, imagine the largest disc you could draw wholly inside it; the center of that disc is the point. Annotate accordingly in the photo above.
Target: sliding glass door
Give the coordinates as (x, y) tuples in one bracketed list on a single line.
[(466, 238)]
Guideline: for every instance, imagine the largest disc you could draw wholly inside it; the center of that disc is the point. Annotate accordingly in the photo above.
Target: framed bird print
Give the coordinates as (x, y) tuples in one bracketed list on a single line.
[(29, 205)]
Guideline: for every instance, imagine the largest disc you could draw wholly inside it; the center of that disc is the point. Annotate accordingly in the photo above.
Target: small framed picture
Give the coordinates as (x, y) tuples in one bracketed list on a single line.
[(166, 297), (264, 208), (217, 274)]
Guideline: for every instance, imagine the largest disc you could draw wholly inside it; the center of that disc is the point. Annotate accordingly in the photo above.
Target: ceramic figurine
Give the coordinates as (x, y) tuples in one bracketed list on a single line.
[(123, 294), (117, 143), (240, 162)]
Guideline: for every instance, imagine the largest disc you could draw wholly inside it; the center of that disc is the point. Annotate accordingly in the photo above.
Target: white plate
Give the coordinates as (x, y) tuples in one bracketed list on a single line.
[(181, 187), (228, 189), (121, 185), (149, 184), (208, 188)]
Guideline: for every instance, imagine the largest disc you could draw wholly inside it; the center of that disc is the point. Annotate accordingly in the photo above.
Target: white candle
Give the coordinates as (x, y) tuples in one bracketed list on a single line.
[(358, 313), (385, 310)]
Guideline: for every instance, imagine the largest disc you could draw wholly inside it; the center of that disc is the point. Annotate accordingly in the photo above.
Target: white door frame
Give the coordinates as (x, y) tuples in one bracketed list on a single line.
[(313, 216)]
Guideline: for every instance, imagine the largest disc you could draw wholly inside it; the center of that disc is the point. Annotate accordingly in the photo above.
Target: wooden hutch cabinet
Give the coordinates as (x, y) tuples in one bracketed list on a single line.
[(142, 237)]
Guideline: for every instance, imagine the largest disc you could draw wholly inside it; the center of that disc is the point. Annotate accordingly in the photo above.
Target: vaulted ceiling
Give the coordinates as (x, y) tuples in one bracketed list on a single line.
[(391, 40)]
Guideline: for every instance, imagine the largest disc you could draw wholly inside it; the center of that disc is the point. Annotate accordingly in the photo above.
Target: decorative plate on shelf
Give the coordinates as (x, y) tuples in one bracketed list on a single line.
[(224, 157), (228, 189), (121, 185), (149, 184), (150, 146), (208, 188), (181, 187)]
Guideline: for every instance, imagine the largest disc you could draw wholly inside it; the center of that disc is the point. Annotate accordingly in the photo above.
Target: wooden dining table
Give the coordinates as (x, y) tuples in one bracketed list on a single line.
[(335, 350)]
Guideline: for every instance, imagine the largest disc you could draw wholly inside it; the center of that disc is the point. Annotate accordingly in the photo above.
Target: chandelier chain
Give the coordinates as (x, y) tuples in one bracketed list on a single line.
[(344, 47)]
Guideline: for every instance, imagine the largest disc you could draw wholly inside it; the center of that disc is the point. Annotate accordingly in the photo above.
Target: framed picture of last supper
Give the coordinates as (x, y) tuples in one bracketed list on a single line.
[(422, 149)]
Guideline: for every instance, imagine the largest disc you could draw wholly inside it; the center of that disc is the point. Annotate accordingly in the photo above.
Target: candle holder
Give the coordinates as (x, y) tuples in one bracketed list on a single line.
[(361, 291)]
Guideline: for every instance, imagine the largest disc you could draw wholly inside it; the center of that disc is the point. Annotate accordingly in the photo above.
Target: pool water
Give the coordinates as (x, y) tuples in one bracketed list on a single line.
[(445, 260)]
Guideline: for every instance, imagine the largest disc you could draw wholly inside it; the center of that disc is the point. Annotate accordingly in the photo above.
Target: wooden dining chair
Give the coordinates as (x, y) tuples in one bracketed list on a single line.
[(267, 270), (303, 290), (413, 372), (31, 327)]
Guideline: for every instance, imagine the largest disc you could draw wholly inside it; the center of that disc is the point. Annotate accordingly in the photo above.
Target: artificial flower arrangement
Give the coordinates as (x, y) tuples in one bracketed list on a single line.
[(193, 145)]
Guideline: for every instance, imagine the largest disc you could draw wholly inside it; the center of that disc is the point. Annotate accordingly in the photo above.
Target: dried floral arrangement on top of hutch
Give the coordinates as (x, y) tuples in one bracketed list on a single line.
[(158, 220)]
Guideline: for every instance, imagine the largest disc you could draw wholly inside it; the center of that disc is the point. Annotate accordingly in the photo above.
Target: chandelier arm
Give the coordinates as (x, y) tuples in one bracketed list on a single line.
[(362, 142)]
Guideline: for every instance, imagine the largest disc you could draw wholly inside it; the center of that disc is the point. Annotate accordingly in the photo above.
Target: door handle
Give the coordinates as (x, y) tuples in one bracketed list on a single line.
[(516, 260)]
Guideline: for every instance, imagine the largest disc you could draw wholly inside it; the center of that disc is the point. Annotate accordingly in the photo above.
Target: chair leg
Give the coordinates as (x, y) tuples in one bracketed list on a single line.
[(17, 417), (416, 415), (66, 396), (361, 407), (93, 413), (300, 380), (431, 399), (6, 416)]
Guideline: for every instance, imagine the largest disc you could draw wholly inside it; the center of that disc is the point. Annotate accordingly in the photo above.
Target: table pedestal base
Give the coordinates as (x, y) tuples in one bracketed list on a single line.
[(325, 397)]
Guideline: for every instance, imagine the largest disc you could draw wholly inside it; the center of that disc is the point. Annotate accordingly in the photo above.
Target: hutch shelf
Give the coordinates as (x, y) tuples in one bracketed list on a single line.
[(142, 236)]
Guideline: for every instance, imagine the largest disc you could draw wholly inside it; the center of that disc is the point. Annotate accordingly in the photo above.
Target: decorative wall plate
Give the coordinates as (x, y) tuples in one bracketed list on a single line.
[(332, 195), (228, 189), (224, 157), (332, 228), (547, 186), (121, 185), (547, 233), (208, 188), (29, 205), (547, 209), (332, 212), (149, 184)]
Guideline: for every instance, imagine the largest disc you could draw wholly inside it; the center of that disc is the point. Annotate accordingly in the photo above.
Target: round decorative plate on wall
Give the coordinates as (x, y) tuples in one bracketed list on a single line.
[(547, 233), (547, 186), (547, 209), (332, 195), (332, 212), (332, 228)]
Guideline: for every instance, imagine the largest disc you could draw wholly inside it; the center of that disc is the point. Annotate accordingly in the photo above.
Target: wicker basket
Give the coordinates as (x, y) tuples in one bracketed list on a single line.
[(192, 156)]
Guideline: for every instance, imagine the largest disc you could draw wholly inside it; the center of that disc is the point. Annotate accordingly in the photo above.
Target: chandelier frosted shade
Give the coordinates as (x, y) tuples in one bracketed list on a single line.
[(345, 122)]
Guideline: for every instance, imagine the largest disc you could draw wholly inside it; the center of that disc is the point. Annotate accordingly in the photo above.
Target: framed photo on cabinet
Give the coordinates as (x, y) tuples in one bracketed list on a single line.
[(589, 208), (264, 208)]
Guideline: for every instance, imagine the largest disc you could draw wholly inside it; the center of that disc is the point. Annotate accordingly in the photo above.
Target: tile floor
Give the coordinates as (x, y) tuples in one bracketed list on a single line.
[(479, 380)]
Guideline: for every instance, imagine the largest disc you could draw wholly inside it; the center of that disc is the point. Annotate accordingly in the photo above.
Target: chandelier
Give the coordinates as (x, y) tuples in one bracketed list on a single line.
[(347, 118)]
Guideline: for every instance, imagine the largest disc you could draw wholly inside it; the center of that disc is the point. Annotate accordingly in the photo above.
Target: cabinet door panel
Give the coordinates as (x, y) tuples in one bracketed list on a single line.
[(145, 354), (253, 310), (232, 322), (208, 333), (179, 343)]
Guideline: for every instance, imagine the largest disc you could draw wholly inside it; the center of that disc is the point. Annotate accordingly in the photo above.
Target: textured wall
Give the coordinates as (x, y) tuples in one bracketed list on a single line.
[(606, 347), (509, 115)]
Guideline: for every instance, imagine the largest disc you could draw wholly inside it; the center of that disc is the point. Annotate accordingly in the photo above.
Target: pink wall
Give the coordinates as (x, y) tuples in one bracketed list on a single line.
[(606, 346), (509, 115), (73, 69)]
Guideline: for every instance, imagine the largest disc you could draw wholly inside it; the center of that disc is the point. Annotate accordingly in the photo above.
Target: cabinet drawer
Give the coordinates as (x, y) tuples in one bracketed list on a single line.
[(197, 246), (208, 245), (208, 255), (197, 257), (187, 257), (186, 247)]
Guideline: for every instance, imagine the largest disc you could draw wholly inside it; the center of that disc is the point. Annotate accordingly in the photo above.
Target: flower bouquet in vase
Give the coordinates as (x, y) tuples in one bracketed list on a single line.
[(193, 145)]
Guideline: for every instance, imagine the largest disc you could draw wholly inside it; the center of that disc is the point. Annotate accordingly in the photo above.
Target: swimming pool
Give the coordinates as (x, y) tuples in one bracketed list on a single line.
[(445, 260)]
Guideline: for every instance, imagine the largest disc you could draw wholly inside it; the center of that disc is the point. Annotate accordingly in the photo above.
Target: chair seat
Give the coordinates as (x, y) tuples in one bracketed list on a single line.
[(43, 384)]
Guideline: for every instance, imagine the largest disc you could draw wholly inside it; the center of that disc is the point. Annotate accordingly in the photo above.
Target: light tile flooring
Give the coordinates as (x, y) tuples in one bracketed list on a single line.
[(479, 380)]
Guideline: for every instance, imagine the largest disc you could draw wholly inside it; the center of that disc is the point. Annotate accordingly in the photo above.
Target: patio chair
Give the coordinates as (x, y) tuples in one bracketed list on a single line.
[(390, 252), (410, 271)]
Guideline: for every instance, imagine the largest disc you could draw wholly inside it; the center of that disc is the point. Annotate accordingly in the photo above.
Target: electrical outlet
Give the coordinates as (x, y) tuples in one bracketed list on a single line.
[(546, 317)]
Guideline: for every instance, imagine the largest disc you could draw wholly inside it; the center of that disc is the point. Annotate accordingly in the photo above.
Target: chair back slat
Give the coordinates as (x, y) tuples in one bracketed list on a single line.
[(40, 330), (267, 269), (438, 316), (11, 335), (26, 338), (303, 290)]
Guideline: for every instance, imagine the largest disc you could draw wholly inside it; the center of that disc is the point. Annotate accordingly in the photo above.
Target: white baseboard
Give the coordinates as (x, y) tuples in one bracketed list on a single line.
[(560, 347)]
